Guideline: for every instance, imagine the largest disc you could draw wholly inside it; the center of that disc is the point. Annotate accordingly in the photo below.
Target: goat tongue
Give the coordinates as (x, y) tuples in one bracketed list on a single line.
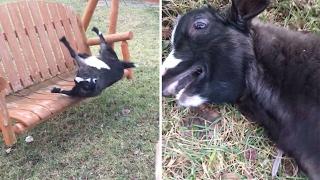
[(276, 163)]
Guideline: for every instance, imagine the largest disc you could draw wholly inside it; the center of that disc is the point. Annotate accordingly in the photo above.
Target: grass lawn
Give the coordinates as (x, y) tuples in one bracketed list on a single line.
[(217, 142), (112, 136)]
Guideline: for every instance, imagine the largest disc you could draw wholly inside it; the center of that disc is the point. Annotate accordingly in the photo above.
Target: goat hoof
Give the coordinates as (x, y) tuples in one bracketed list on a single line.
[(63, 38), (55, 90), (95, 29)]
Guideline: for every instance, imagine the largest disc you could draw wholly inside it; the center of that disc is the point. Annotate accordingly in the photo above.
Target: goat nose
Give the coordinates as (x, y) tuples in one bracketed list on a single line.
[(198, 71)]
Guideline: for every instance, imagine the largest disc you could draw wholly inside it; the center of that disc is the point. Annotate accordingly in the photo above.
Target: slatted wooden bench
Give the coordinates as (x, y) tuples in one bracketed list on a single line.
[(32, 60)]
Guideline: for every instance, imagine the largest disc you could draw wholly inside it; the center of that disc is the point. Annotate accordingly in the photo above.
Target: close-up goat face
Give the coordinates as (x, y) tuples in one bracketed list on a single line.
[(269, 72), (206, 61)]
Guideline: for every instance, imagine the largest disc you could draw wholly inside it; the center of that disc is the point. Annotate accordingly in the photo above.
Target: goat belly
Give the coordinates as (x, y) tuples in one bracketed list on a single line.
[(95, 62), (298, 136), (110, 79)]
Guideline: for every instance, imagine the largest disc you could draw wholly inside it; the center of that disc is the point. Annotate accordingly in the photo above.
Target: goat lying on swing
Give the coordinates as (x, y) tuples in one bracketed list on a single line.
[(95, 73)]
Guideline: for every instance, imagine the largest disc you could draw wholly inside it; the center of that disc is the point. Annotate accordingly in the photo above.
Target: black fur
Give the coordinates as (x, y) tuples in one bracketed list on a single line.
[(271, 73), (96, 79)]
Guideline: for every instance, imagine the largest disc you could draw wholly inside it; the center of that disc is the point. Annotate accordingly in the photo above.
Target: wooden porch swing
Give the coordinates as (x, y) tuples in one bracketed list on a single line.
[(32, 60)]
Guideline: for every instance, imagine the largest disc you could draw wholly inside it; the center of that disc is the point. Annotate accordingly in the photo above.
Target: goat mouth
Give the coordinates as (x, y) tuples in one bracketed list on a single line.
[(181, 81)]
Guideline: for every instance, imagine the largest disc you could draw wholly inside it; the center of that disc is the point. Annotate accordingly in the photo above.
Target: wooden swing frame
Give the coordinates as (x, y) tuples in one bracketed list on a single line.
[(32, 60)]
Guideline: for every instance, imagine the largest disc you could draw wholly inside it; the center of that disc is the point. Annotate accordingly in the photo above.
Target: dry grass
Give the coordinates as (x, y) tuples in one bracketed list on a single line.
[(222, 144), (217, 142)]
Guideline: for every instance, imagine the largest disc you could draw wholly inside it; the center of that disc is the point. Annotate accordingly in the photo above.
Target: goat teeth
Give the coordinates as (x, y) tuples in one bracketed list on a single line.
[(179, 94)]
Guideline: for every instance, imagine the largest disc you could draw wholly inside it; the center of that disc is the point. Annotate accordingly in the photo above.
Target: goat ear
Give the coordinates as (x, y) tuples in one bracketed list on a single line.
[(242, 11)]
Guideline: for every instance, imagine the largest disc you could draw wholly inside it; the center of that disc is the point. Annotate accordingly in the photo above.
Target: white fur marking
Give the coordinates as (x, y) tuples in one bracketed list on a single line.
[(187, 101), (169, 63), (174, 30), (173, 33), (78, 79), (93, 61)]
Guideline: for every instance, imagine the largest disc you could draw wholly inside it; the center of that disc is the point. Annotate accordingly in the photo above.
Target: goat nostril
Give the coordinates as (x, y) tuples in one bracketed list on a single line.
[(198, 71)]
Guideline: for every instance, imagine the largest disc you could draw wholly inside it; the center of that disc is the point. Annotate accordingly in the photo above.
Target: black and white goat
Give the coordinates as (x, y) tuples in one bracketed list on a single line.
[(94, 74), (271, 73)]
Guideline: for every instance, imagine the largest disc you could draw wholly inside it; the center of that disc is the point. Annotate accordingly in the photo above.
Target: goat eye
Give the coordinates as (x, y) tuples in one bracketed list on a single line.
[(200, 24)]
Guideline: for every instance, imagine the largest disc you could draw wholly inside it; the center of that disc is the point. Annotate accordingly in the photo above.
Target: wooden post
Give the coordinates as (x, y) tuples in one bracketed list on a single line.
[(112, 38), (84, 37), (5, 123), (126, 57), (113, 17), (88, 12)]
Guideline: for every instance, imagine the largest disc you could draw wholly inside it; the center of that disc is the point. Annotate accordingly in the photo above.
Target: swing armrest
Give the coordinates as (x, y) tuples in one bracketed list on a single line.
[(3, 84), (111, 38), (4, 116), (5, 123), (3, 104)]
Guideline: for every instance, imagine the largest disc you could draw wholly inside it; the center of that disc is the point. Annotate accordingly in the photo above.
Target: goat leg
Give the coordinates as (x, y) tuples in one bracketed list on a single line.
[(67, 45), (105, 49), (72, 52), (66, 92), (69, 93), (55, 90), (96, 30)]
